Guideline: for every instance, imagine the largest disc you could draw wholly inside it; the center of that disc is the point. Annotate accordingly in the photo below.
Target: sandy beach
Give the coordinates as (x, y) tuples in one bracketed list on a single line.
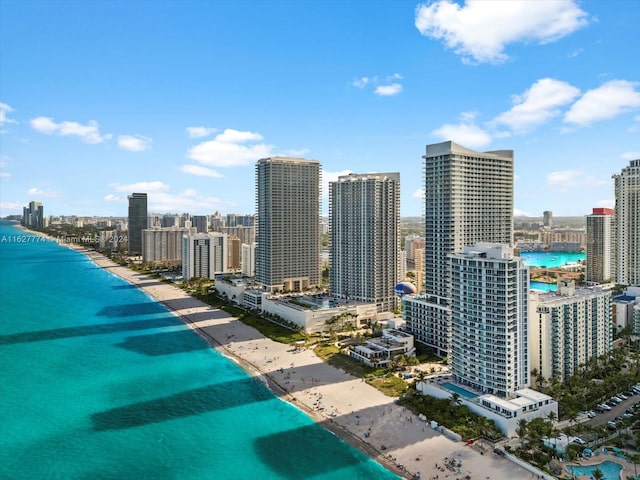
[(350, 408)]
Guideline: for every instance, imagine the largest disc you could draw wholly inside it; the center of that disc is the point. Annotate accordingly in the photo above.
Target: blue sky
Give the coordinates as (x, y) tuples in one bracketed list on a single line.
[(180, 98)]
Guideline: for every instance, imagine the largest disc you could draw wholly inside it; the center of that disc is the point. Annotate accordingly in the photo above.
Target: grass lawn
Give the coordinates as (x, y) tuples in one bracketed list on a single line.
[(391, 385)]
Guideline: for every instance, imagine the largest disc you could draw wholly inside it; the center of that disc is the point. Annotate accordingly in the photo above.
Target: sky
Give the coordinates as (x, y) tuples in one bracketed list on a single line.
[(179, 99)]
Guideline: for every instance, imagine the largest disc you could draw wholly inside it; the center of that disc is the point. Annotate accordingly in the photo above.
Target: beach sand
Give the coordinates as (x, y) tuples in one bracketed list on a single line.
[(347, 406)]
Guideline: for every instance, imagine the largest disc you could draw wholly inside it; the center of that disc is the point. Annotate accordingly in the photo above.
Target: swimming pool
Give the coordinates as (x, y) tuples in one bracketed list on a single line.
[(459, 390), (610, 470)]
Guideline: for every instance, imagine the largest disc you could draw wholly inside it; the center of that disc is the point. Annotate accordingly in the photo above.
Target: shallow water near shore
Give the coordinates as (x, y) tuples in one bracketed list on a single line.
[(100, 381)]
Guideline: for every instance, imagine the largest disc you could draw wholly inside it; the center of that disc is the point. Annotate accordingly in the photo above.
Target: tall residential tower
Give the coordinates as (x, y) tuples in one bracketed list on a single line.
[(364, 223), (627, 191), (468, 199), (288, 223), (137, 221), (600, 245)]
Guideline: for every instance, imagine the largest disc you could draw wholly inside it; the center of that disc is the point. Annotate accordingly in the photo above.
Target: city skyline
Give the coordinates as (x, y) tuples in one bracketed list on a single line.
[(180, 99)]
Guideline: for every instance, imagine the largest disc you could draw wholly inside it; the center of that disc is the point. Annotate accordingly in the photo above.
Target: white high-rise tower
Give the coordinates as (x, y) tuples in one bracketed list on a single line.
[(468, 199)]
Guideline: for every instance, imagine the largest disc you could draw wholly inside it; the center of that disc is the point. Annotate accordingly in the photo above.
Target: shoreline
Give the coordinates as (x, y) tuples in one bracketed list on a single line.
[(346, 406)]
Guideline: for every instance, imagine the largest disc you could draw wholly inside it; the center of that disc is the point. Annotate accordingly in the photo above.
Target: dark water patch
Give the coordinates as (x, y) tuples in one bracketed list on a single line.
[(131, 309), (164, 343), (184, 404), (85, 330), (276, 452)]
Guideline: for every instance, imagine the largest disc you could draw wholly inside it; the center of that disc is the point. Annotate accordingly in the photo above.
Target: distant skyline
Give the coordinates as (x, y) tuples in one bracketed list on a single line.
[(179, 99)]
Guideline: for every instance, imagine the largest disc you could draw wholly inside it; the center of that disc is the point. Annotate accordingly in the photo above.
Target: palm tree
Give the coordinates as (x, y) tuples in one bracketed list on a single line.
[(635, 459), (522, 431), (455, 400), (597, 474)]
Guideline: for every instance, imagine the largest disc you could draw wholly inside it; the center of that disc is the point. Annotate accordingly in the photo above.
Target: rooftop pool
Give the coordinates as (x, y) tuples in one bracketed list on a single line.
[(459, 390)]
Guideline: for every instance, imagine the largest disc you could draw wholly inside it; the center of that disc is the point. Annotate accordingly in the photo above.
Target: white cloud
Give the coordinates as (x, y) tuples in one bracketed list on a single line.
[(4, 109), (331, 177), (361, 82), (200, 171), (569, 180), (42, 193), (630, 155), (611, 99), (576, 52), (143, 187), (5, 175), (199, 132), (229, 149), (480, 30), (301, 152), (465, 134), (388, 90), (385, 86), (521, 213), (114, 198), (418, 193), (89, 133), (10, 208), (611, 203), (538, 104), (188, 201), (134, 143)]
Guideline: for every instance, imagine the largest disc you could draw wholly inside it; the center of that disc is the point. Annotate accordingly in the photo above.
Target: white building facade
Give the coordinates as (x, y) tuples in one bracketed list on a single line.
[(248, 259), (567, 328), (468, 199), (489, 335), (204, 255), (163, 244)]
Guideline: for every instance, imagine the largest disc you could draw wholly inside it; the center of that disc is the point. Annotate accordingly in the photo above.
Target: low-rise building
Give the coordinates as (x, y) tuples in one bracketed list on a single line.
[(506, 413), (380, 351)]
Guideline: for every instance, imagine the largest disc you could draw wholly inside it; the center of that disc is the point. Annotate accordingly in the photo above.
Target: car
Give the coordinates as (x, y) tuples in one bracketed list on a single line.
[(603, 407), (612, 425), (579, 441), (621, 396), (627, 415), (615, 400), (591, 414)]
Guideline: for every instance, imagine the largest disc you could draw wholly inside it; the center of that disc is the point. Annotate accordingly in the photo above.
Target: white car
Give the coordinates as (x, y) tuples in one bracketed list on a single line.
[(621, 396), (591, 414)]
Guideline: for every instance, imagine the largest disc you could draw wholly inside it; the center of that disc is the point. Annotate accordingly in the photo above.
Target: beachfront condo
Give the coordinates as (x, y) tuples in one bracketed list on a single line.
[(364, 226), (287, 224)]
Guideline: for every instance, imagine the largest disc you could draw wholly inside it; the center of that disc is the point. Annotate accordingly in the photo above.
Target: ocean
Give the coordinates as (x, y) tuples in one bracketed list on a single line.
[(99, 381)]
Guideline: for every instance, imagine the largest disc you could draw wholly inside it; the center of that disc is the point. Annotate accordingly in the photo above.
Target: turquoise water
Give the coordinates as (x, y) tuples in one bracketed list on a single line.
[(546, 287), (459, 390), (610, 470), (97, 381), (551, 259)]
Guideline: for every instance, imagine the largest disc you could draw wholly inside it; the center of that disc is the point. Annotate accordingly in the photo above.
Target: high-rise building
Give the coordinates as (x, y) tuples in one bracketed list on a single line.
[(489, 342), (600, 246), (468, 199), (249, 259), (567, 328), (234, 257), (33, 215), (627, 192), (364, 226), (204, 255), (137, 221), (288, 223), (201, 222), (547, 218), (163, 244), (245, 234)]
